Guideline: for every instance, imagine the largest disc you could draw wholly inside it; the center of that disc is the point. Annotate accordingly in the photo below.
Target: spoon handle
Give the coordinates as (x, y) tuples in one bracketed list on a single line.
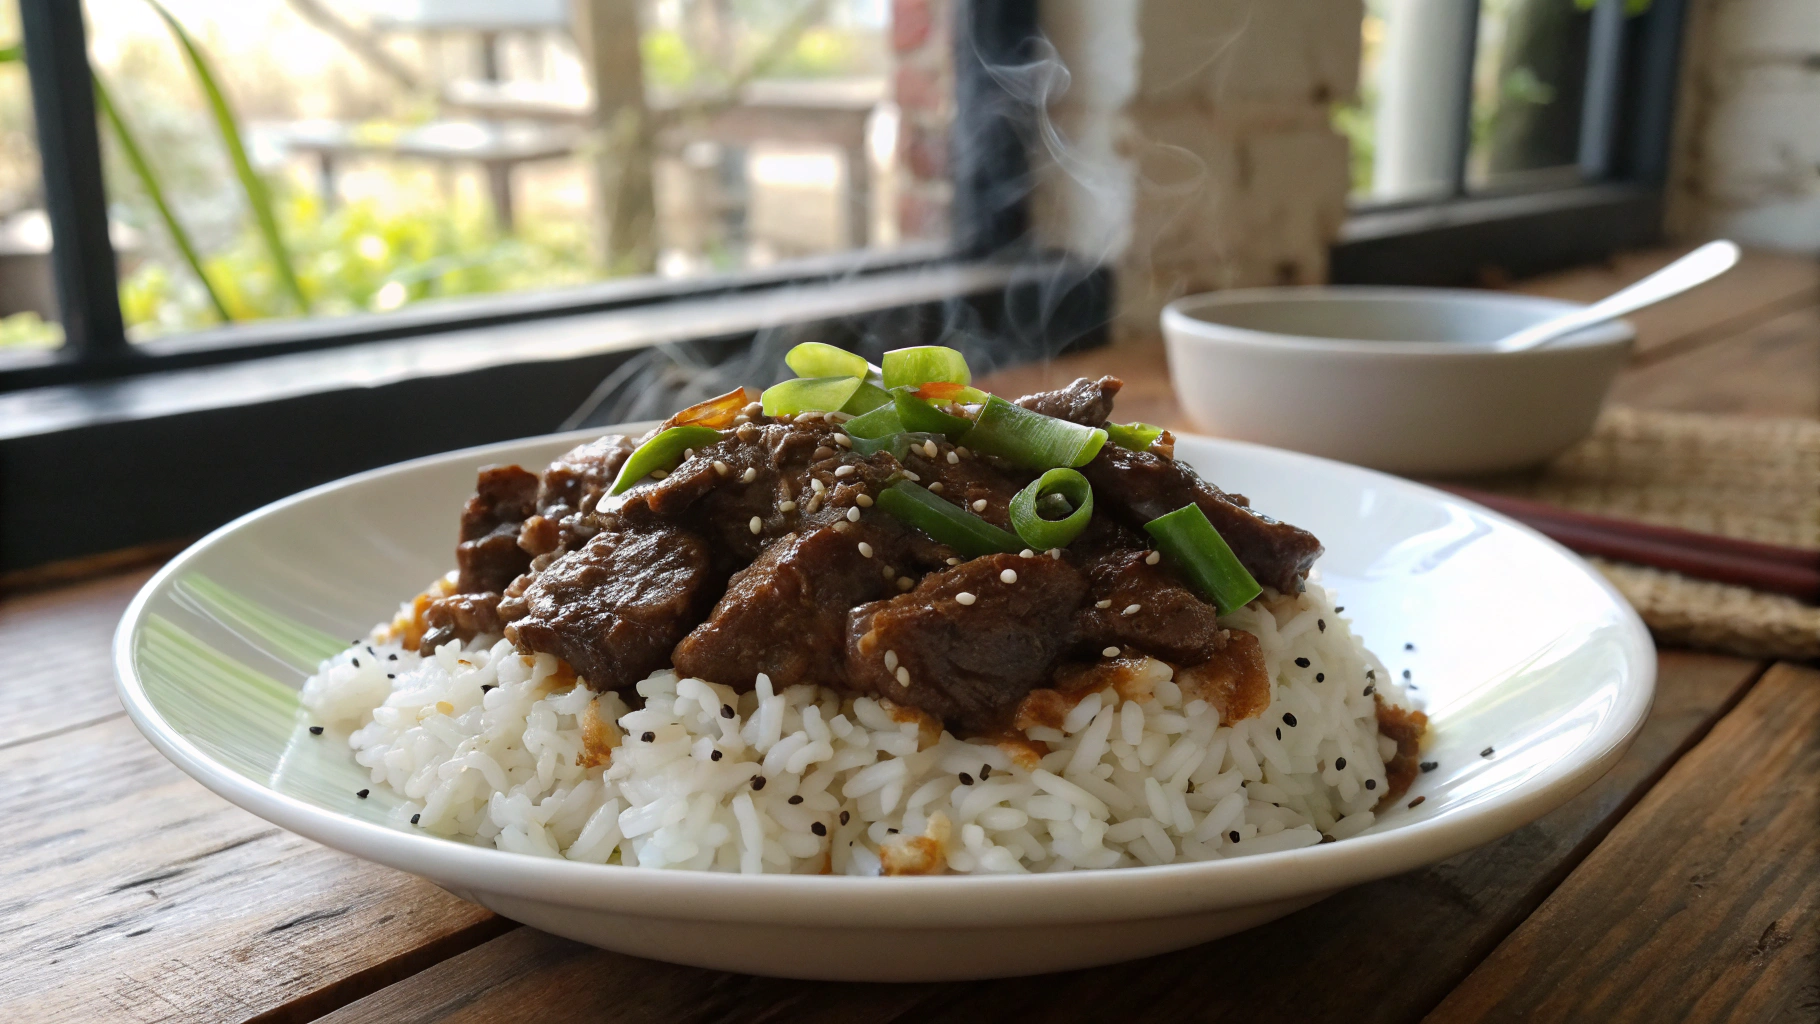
[(1692, 270)]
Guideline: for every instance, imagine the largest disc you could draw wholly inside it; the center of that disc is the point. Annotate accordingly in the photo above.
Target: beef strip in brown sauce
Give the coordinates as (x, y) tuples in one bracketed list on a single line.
[(488, 556), (1087, 402)]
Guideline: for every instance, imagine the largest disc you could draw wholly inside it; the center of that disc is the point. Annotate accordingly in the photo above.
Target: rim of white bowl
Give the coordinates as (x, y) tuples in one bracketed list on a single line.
[(1180, 316), (1164, 891)]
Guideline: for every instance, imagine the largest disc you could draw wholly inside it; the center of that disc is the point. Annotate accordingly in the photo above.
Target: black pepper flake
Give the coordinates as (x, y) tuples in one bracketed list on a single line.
[(758, 782), (363, 793), (1429, 766), (713, 755), (1486, 752), (966, 780), (315, 730), (1301, 663), (1371, 783), (1233, 835), (1289, 719), (1279, 734), (845, 816), (1339, 765), (1321, 624), (415, 818), (1369, 690), (797, 799), (726, 711), (819, 829), (648, 736), (1413, 804)]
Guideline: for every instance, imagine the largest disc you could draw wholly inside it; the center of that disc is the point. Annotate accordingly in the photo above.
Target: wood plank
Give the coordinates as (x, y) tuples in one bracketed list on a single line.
[(132, 893), (1702, 905), (1772, 369), (1388, 951), (59, 662)]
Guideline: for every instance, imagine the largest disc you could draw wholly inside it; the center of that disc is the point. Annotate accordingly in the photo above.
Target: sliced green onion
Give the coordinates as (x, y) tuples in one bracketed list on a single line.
[(1043, 534), (661, 452), (808, 394), (880, 422), (946, 522), (869, 397), (1032, 439), (814, 359), (918, 415), (1136, 436), (897, 444), (922, 364), (1191, 542)]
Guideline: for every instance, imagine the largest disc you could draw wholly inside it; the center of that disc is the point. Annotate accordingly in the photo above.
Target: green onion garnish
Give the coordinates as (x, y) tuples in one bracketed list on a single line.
[(1055, 485), (661, 452), (1031, 439), (1191, 542), (1136, 436), (947, 523), (814, 359), (918, 415), (880, 422), (924, 363), (869, 397), (808, 394), (897, 444)]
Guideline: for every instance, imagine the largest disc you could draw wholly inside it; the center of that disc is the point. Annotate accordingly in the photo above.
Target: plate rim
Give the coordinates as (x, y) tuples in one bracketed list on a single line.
[(1162, 891)]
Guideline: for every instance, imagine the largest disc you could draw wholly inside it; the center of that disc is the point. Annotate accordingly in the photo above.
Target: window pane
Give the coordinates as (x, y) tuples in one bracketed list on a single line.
[(28, 296), (418, 149), (1527, 90), (1406, 127)]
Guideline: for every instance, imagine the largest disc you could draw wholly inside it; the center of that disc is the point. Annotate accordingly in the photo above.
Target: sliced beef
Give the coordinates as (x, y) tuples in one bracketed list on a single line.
[(1139, 486), (460, 617), (614, 608), (488, 555), (1087, 402), (969, 479), (1169, 621), (786, 614), (967, 663), (581, 471)]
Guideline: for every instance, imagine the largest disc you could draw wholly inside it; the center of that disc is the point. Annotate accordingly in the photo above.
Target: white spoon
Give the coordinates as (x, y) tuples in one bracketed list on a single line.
[(1692, 270)]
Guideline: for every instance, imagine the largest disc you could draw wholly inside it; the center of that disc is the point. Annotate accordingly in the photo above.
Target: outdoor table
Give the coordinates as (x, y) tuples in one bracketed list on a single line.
[(1682, 886)]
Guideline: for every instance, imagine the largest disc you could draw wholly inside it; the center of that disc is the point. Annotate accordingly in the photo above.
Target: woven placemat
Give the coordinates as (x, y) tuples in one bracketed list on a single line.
[(1755, 479)]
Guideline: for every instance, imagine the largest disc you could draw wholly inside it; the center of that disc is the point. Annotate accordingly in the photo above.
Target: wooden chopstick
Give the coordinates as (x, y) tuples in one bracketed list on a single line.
[(1767, 567)]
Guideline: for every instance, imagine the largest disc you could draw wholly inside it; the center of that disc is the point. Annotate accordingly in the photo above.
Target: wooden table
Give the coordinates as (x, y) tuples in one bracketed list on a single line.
[(1685, 885)]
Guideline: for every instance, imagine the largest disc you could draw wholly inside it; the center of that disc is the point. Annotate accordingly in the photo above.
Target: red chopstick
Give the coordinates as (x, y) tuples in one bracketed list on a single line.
[(1767, 567)]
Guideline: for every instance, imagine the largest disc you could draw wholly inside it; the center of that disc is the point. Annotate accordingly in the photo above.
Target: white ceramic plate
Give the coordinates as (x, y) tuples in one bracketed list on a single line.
[(1519, 647)]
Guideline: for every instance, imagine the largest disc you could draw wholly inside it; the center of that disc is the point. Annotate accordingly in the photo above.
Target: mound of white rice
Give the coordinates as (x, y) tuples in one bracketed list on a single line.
[(486, 743)]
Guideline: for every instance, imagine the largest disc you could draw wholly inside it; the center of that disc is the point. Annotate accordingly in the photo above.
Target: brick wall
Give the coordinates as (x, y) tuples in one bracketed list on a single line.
[(922, 36)]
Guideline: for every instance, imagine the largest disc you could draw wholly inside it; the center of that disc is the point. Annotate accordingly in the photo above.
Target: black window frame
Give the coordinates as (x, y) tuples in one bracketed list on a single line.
[(1469, 236)]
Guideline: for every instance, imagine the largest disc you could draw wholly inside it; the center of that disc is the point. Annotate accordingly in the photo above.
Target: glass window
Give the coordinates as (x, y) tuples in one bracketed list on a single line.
[(383, 153), (28, 296), (1528, 86)]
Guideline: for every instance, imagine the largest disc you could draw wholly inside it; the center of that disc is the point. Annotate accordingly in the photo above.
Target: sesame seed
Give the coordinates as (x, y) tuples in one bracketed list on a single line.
[(648, 736), (1301, 663), (786, 506), (891, 831), (1320, 677), (1233, 835), (1111, 652), (965, 598), (912, 477), (315, 730), (930, 449), (1338, 608), (890, 661), (726, 711), (905, 583), (1026, 553), (756, 525), (758, 782), (394, 675), (1153, 558), (954, 561), (391, 657), (846, 816), (1103, 604), (979, 504), (659, 474), (1322, 623), (490, 687), (1371, 673), (819, 829), (753, 409), (363, 793), (985, 772), (1339, 765), (966, 780), (749, 475), (721, 468), (953, 459), (1487, 752), (889, 572), (1371, 783), (964, 452), (865, 550), (688, 453), (843, 471), (1405, 673), (1279, 734), (903, 676), (806, 417), (816, 485), (713, 755), (936, 487), (794, 800), (837, 416), (864, 499), (745, 427), (1413, 804), (853, 514), (1131, 609), (843, 440), (1055, 553), (1408, 646), (824, 452), (1008, 576), (840, 525), (1369, 690), (1289, 719)]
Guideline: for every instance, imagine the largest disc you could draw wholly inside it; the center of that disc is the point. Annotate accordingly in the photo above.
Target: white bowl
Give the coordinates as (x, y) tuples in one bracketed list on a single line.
[(1519, 646), (1398, 379)]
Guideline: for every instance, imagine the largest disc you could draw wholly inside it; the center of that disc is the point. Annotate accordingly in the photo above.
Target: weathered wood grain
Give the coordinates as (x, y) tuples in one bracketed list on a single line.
[(1702, 905), (132, 893), (1388, 951), (1771, 369), (58, 666)]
